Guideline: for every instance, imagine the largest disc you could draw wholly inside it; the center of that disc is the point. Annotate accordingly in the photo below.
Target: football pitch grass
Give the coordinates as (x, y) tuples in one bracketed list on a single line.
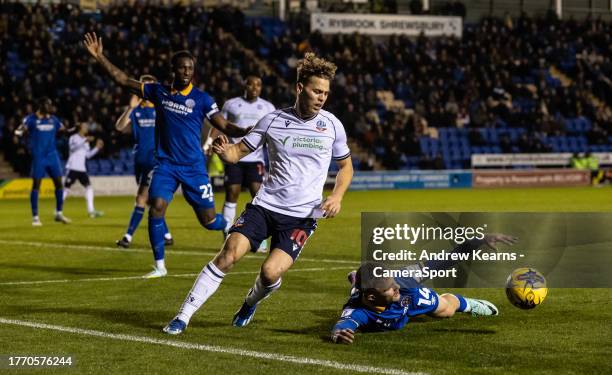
[(67, 290)]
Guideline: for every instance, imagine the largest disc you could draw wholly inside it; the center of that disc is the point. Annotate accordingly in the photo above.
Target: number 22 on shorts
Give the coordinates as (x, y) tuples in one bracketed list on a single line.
[(207, 192)]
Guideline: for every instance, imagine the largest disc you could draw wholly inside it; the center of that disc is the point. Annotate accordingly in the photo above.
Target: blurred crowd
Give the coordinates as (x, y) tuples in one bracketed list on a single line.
[(42, 54), (497, 75), (389, 93)]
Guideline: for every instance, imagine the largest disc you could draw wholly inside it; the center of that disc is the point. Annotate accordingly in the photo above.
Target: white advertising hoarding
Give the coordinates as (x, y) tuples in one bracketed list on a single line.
[(385, 24), (551, 159)]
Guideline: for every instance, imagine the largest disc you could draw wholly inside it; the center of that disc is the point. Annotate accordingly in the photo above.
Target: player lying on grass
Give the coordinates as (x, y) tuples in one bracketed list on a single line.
[(386, 303)]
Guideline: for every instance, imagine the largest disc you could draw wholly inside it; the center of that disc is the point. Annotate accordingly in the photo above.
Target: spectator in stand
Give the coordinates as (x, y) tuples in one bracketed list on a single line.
[(496, 75)]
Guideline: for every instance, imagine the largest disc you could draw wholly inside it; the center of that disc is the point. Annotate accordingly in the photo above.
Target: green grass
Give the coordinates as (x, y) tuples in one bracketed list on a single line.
[(569, 333)]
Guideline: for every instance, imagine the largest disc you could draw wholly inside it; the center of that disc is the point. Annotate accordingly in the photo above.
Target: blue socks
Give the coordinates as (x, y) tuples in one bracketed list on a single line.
[(59, 200), (219, 224), (463, 305), (156, 236), (135, 220), (34, 202), (166, 231)]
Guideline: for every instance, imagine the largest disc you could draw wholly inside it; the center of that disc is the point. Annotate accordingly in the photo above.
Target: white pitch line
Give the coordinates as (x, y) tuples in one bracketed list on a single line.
[(34, 282), (148, 251), (215, 349)]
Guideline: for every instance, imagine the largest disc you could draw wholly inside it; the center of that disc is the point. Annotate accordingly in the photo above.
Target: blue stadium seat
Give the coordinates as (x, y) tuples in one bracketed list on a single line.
[(105, 166)]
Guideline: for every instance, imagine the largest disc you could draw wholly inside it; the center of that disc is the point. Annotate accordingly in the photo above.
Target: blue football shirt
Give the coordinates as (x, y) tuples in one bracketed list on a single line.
[(412, 302), (143, 130), (42, 132), (179, 119)]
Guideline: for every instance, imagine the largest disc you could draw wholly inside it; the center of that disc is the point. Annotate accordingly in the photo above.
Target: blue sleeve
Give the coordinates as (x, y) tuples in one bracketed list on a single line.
[(209, 106), (150, 91), (57, 123), (133, 118), (27, 121), (351, 319)]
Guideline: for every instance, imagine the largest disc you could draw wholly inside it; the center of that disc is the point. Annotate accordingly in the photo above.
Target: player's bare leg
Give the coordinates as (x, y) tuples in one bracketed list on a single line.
[(268, 281), (210, 219), (234, 248), (449, 304)]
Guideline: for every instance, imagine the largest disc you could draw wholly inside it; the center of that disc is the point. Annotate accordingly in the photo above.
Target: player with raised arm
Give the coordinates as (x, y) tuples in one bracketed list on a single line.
[(42, 128), (386, 303), (76, 169), (180, 110), (139, 119), (244, 111), (302, 141)]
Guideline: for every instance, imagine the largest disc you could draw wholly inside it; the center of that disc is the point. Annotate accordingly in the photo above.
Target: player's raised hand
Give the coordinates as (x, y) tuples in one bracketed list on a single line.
[(99, 144), (220, 144), (135, 101), (93, 44), (331, 205), (343, 336), (491, 239)]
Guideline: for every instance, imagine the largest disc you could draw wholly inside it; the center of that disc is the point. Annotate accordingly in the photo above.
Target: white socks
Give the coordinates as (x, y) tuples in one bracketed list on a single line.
[(89, 197), (205, 286), (260, 292), (229, 213), (160, 264)]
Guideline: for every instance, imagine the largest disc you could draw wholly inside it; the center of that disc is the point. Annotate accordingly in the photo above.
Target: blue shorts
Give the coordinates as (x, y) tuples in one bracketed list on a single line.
[(142, 173), (50, 164), (288, 233), (420, 301), (193, 179), (243, 173)]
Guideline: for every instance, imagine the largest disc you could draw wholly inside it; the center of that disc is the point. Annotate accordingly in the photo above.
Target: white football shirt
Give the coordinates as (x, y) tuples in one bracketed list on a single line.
[(300, 152), (79, 152), (244, 114)]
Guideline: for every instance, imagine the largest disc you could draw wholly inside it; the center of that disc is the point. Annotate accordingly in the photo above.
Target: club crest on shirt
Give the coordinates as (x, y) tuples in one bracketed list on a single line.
[(321, 126), (190, 103), (405, 301)]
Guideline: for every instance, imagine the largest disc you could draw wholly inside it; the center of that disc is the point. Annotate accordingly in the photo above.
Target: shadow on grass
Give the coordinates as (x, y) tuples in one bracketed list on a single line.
[(154, 320), (77, 270), (466, 330), (322, 328)]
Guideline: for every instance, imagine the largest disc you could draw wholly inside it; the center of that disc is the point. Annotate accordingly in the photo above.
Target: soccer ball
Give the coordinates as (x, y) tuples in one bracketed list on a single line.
[(526, 288)]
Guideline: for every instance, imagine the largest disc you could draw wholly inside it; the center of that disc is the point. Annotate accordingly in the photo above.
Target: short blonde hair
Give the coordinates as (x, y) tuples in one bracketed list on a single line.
[(313, 66), (147, 78)]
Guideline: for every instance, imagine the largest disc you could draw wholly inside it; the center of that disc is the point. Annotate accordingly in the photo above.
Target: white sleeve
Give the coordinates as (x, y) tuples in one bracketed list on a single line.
[(91, 152), (340, 149), (75, 142), (257, 136), (225, 109)]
